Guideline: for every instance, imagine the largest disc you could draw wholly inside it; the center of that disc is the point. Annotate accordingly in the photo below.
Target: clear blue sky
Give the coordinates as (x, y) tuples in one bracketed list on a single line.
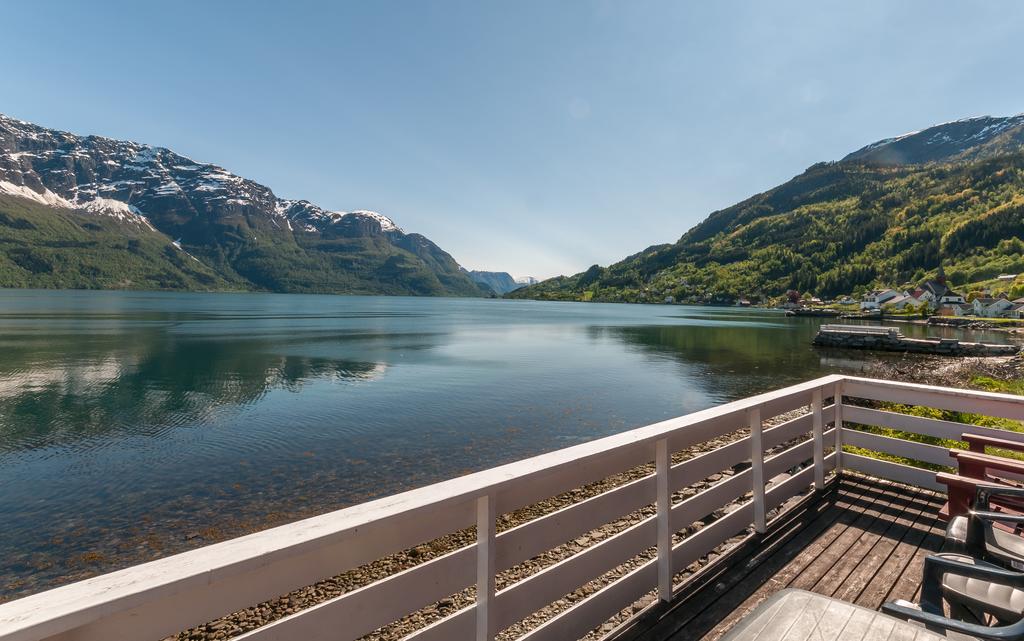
[(535, 137)]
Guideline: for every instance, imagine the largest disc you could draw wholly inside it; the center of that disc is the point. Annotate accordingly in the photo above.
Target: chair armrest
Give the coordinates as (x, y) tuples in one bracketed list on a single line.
[(997, 516), (936, 566), (984, 492), (978, 485), (966, 493), (974, 462), (977, 443), (932, 620), (970, 483), (999, 490)]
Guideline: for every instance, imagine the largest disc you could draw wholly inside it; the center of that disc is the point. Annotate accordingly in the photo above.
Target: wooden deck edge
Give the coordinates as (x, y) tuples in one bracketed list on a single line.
[(643, 621)]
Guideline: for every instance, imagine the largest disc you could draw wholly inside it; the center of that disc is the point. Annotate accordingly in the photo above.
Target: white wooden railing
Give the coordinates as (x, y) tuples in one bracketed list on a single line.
[(159, 598)]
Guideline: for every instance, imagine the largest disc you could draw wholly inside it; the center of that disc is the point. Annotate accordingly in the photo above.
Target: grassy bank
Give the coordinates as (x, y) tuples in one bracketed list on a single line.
[(986, 374)]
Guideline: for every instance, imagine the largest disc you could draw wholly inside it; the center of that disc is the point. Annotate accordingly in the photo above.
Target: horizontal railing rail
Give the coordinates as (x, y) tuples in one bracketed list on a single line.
[(895, 395), (743, 481)]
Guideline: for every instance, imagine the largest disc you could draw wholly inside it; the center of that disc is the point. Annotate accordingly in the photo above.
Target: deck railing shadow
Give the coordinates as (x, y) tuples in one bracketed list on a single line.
[(805, 459), (790, 552)]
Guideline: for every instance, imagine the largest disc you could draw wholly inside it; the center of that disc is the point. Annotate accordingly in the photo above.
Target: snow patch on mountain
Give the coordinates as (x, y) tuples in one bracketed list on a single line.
[(386, 224), (116, 209), (100, 206), (177, 245), (314, 218), (889, 141), (47, 197)]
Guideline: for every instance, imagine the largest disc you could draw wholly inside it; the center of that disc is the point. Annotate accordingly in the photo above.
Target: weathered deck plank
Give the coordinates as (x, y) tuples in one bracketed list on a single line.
[(863, 542), (909, 585), (879, 586), (857, 565)]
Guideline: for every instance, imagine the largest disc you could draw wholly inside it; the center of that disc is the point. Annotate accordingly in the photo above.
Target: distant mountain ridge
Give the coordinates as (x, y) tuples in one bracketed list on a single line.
[(888, 213), (235, 228), (965, 139), (498, 282)]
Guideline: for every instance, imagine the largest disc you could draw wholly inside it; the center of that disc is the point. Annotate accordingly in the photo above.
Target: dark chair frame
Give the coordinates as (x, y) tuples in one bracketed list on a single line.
[(931, 612), (981, 516)]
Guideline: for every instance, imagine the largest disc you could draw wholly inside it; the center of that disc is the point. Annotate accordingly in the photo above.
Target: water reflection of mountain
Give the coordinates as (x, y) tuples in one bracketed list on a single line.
[(731, 360), (67, 387), (736, 360)]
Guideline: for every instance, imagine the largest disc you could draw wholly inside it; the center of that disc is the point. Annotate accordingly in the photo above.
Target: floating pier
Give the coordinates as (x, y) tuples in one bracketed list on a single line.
[(890, 339)]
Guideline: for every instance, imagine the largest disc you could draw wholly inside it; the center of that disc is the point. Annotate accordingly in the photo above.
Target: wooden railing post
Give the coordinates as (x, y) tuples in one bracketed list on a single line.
[(818, 431), (663, 464), (757, 468), (485, 539), (838, 401)]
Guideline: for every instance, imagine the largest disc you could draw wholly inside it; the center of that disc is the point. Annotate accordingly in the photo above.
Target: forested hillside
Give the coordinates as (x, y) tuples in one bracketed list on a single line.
[(46, 248), (841, 227)]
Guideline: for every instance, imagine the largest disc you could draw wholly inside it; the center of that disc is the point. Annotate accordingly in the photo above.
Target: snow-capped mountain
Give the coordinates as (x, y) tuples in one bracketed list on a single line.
[(124, 178), (965, 139), (227, 221)]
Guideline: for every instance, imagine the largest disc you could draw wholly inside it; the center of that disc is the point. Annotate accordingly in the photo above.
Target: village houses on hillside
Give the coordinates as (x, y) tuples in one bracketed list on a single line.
[(936, 296), (932, 293)]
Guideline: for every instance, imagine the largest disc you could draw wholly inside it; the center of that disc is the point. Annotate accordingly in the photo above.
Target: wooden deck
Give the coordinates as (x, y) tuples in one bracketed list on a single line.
[(863, 541)]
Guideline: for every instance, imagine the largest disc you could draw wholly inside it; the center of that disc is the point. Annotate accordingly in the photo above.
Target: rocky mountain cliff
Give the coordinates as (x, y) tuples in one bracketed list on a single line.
[(886, 214), (237, 230)]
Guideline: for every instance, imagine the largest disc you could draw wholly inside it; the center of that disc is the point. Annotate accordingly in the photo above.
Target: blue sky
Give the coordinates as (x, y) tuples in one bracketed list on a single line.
[(531, 136)]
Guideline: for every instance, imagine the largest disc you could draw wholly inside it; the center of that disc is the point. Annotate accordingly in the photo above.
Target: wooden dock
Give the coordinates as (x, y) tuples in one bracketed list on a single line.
[(890, 339)]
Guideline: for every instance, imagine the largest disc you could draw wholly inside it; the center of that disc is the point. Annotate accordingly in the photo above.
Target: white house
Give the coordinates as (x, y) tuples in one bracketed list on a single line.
[(992, 307), (952, 298), (875, 299), (914, 296), (1017, 311), (936, 294), (901, 301)]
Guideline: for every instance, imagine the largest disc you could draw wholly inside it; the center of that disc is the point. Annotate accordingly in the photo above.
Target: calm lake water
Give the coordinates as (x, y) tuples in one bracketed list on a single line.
[(134, 425)]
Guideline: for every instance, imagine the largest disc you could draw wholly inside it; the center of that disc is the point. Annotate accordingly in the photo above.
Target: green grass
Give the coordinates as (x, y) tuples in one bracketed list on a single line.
[(1008, 322), (1008, 386)]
